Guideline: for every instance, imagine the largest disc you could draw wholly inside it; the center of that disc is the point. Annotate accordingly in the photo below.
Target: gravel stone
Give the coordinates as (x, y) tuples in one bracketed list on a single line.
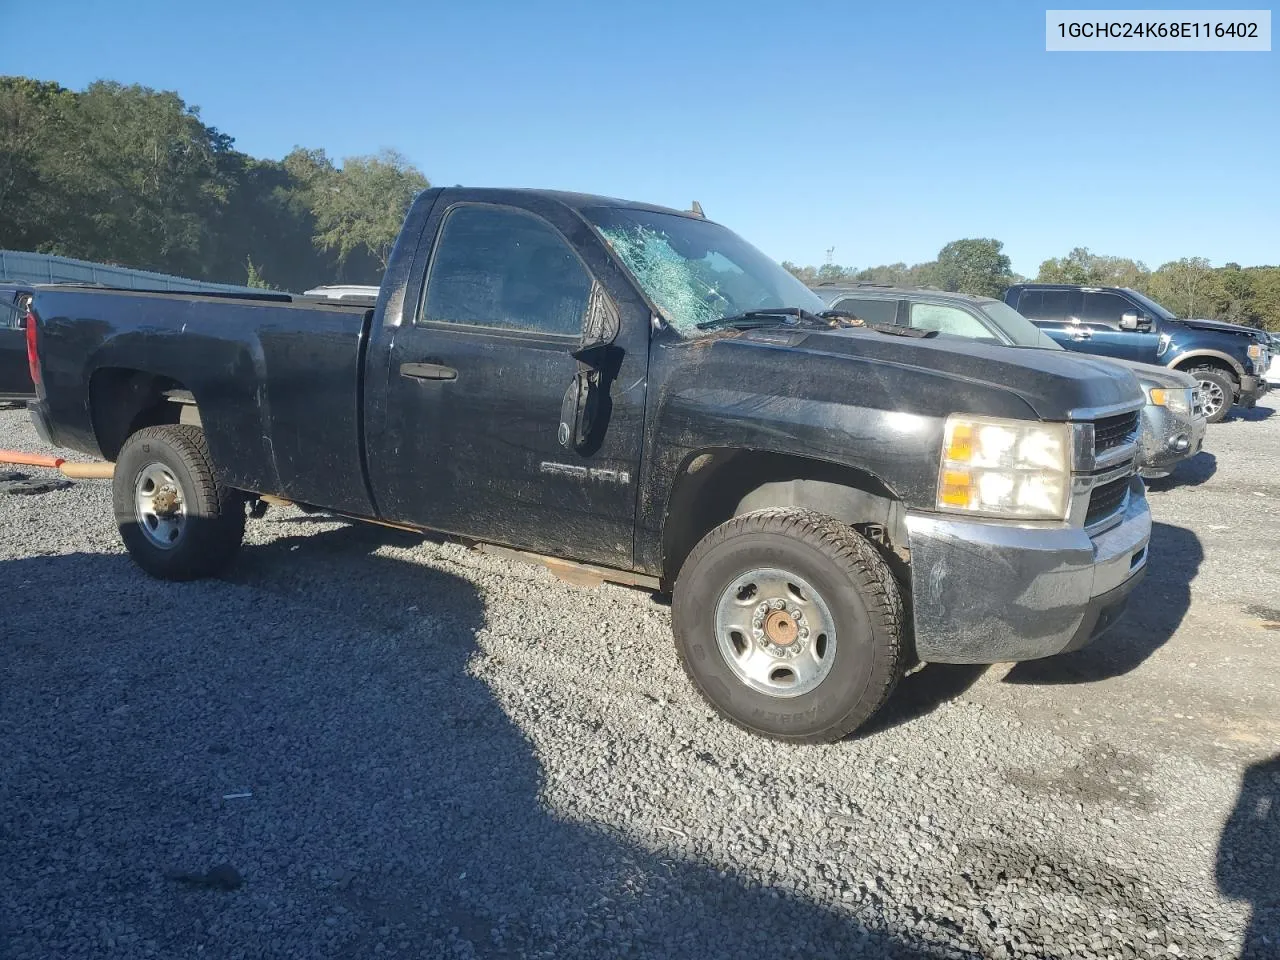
[(450, 754)]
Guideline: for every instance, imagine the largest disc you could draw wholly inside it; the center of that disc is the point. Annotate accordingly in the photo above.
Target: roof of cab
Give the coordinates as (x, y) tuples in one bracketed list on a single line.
[(874, 290), (577, 201)]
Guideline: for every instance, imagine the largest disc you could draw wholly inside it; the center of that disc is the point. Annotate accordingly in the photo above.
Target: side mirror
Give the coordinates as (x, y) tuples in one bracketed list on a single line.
[(602, 324), (581, 404), (1134, 321)]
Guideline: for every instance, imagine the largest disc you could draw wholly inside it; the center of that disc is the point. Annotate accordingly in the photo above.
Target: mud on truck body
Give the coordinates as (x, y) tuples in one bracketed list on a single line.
[(639, 391)]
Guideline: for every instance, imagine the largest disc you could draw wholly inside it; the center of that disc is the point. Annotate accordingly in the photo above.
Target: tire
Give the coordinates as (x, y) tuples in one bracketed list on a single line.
[(844, 611), (164, 491), (1212, 380)]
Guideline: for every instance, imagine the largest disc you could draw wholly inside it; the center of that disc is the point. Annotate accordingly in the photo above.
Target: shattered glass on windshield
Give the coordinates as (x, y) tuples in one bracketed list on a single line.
[(696, 271), (673, 282)]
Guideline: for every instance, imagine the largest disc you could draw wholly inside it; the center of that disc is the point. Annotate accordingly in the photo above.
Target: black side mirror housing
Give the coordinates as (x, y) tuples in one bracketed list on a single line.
[(581, 403)]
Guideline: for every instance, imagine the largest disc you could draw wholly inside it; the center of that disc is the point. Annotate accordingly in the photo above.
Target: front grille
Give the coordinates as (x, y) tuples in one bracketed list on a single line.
[(1111, 432), (1197, 403), (1105, 500)]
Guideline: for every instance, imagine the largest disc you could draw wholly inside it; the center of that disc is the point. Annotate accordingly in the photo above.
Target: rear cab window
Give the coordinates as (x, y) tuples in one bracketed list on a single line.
[(868, 309)]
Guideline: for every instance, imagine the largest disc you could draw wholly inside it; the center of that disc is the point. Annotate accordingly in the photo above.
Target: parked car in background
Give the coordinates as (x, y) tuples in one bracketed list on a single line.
[(639, 391), (1173, 422), (1273, 369), (15, 373), (1228, 360)]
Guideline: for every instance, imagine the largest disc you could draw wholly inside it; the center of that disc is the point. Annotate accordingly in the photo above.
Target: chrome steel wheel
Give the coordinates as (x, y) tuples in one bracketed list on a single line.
[(160, 506), (775, 632), (1212, 397)]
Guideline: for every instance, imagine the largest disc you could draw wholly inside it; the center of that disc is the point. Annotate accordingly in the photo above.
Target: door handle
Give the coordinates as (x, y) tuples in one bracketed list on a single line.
[(428, 371), (1082, 335)]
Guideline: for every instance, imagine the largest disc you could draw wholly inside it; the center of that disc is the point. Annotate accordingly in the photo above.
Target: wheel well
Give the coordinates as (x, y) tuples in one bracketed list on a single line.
[(713, 486), (123, 401), (1191, 363)]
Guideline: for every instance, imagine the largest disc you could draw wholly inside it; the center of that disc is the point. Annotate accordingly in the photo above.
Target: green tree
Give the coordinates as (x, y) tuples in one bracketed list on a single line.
[(34, 197), (146, 170), (1081, 266), (254, 276), (361, 205), (806, 275), (976, 266), (1188, 287)]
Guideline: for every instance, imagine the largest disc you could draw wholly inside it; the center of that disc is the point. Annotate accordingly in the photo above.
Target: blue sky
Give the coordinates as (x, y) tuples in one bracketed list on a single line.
[(882, 130)]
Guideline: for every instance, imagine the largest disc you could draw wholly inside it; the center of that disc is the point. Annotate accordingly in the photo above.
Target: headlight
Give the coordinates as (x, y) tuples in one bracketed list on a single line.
[(1178, 401), (1017, 469)]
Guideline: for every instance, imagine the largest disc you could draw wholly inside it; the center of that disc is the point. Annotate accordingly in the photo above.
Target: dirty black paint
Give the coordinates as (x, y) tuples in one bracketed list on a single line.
[(305, 400)]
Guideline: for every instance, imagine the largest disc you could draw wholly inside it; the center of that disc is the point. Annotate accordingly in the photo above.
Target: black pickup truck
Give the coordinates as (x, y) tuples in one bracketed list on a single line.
[(636, 390), (15, 375)]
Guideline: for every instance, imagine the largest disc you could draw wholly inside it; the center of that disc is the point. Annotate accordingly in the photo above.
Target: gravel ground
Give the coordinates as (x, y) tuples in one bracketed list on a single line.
[(358, 743)]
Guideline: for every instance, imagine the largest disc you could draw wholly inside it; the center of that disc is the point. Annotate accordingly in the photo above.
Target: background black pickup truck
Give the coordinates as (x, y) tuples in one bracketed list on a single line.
[(637, 389), (15, 375)]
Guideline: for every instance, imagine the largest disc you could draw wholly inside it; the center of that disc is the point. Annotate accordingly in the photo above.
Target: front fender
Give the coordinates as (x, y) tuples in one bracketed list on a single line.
[(1187, 359)]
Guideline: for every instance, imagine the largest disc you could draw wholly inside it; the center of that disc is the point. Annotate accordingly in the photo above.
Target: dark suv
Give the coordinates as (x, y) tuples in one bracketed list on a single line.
[(1228, 360)]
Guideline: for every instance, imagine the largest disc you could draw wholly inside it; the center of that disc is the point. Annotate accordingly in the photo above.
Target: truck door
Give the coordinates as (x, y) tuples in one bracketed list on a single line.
[(475, 384), (1100, 315)]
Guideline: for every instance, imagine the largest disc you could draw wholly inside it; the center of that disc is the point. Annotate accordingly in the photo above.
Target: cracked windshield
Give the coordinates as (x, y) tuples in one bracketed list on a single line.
[(695, 271)]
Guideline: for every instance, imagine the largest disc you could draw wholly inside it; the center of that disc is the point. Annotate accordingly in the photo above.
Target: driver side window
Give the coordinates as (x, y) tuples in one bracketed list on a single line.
[(505, 268)]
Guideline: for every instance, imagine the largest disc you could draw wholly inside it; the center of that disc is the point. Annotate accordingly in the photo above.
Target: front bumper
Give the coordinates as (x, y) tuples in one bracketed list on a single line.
[(1251, 390), (996, 592), (1165, 439)]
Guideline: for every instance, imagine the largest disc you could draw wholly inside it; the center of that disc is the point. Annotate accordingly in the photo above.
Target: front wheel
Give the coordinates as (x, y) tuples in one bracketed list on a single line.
[(176, 519), (790, 625), (1217, 392)]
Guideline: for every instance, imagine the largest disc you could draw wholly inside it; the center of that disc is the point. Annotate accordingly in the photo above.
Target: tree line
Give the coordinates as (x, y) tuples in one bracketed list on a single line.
[(132, 176), (1190, 287)]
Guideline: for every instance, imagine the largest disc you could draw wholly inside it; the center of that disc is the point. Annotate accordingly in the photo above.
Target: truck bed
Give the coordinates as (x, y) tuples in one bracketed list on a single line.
[(277, 380)]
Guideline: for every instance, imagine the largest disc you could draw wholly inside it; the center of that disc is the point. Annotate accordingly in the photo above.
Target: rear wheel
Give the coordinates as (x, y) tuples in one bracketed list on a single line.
[(177, 521), (1217, 392), (790, 624)]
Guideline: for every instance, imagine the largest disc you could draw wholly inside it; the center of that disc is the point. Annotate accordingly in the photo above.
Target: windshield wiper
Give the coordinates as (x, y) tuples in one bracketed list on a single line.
[(798, 316), (789, 316)]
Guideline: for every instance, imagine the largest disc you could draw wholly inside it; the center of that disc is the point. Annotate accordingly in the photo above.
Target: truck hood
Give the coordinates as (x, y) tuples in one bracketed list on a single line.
[(1055, 384), (1223, 327)]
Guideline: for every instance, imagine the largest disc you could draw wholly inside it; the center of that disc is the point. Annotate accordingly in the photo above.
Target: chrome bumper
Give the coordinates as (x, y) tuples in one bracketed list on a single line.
[(992, 592)]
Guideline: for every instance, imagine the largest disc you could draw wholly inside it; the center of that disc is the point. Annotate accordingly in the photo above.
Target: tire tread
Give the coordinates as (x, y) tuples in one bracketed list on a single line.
[(866, 569)]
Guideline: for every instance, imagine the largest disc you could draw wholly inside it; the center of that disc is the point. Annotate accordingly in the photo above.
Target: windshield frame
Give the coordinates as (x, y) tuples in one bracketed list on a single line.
[(753, 264), (1015, 329)]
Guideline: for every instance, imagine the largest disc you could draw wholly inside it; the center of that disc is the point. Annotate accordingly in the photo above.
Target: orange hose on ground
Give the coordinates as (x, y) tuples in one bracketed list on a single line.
[(97, 470), (30, 459)]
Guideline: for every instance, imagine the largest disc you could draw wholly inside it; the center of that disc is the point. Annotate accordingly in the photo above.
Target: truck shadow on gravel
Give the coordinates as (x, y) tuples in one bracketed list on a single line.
[(1248, 864), (1155, 611), (392, 801), (1251, 415), (1192, 472)]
